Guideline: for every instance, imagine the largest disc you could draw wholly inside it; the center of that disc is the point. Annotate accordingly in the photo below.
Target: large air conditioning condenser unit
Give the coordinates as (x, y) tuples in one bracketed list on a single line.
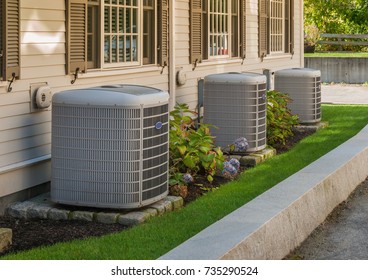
[(110, 146), (303, 85), (235, 103)]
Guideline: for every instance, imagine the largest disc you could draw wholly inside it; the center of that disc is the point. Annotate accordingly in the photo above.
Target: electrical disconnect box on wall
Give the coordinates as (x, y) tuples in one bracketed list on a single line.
[(40, 96)]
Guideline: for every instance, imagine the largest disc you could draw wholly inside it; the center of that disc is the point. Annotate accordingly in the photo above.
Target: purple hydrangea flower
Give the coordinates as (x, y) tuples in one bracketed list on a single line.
[(241, 144), (187, 178), (229, 169), (234, 162)]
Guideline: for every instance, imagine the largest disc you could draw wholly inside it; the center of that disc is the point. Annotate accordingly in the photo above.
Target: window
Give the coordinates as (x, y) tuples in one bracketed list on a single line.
[(117, 33), (275, 27), (217, 29), (9, 41)]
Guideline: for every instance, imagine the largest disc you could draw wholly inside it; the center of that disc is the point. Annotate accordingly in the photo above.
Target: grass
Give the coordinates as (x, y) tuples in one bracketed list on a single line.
[(160, 234), (337, 54)]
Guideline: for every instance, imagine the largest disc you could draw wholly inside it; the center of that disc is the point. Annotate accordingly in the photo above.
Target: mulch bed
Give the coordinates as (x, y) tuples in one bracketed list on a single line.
[(28, 234)]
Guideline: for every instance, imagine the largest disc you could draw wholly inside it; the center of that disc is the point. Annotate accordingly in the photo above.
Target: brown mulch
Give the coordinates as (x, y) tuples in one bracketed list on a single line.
[(28, 234)]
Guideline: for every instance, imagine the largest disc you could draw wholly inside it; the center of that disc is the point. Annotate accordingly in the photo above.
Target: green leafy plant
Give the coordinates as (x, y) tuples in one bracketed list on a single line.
[(192, 148), (280, 120)]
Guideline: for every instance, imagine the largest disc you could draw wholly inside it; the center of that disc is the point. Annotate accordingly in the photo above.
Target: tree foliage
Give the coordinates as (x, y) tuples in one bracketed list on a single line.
[(336, 17)]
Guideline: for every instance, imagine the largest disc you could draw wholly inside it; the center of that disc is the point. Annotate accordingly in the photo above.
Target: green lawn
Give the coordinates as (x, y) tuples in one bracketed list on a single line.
[(160, 234), (336, 54)]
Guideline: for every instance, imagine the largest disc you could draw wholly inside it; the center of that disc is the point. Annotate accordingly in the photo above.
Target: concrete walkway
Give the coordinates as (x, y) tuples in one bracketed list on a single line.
[(279, 220), (345, 94)]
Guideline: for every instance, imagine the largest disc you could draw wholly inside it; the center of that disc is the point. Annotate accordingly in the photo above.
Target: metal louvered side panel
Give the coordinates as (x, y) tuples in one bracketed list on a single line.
[(237, 110), (155, 152), (305, 93), (96, 156)]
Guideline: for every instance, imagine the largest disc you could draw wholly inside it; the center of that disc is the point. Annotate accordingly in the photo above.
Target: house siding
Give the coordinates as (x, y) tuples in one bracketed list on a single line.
[(25, 134)]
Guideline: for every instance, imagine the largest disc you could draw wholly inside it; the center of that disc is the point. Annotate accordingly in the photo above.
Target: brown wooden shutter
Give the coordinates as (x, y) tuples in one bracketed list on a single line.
[(76, 36), (196, 19), (163, 31), (2, 22), (243, 28), (10, 39), (263, 27), (291, 25)]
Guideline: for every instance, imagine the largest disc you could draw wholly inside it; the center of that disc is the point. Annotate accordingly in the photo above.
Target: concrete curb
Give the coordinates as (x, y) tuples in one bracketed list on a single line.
[(276, 222)]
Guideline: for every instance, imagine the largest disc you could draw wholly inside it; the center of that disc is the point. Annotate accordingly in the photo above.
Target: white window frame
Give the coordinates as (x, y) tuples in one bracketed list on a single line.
[(104, 64), (277, 27), (219, 33)]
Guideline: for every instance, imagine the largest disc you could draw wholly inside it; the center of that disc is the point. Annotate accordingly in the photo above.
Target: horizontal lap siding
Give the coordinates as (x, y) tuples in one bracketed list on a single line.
[(25, 135)]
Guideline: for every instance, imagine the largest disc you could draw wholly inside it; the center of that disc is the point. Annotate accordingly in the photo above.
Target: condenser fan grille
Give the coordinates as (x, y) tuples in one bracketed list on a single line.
[(113, 157), (303, 86), (237, 108)]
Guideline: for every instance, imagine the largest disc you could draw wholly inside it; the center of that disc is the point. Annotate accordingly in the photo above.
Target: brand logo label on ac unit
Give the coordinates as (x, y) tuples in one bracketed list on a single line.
[(158, 125)]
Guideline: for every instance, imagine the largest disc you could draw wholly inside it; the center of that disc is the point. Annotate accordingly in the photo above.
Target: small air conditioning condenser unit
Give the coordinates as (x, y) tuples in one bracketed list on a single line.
[(303, 85), (235, 103), (110, 146)]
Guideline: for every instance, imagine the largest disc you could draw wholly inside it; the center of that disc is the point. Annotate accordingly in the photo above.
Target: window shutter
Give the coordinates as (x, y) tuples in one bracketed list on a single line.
[(291, 26), (243, 32), (10, 39), (196, 19), (263, 27), (2, 21), (76, 36), (163, 31)]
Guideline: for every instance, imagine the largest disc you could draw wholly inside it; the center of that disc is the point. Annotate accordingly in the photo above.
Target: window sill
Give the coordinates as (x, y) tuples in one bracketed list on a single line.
[(93, 73), (221, 61), (278, 56)]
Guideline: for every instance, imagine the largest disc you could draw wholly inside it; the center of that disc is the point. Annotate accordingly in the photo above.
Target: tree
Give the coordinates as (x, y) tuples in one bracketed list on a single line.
[(336, 16)]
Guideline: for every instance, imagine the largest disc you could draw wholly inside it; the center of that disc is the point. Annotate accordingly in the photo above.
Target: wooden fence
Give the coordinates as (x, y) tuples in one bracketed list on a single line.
[(344, 39)]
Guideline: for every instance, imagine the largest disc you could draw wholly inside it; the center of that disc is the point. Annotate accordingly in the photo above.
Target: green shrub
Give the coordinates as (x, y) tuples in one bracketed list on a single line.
[(192, 149), (280, 120)]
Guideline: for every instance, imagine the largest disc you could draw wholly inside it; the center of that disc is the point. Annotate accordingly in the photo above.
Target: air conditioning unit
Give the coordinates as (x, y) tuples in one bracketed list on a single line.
[(235, 103), (303, 85), (110, 146)]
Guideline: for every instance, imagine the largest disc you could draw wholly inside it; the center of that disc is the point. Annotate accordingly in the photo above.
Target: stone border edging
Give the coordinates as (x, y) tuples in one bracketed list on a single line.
[(276, 222)]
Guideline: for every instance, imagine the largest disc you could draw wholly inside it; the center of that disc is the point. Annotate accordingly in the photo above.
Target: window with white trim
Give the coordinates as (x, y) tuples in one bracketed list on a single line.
[(220, 28), (118, 33), (217, 29), (275, 27)]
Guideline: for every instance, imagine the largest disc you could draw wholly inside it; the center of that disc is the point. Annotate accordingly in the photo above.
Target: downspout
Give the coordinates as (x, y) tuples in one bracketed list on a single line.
[(302, 35), (172, 70)]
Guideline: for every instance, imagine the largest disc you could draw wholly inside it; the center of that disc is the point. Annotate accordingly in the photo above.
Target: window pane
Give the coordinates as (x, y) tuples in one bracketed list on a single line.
[(121, 47), (122, 30), (107, 49), (235, 28), (277, 26), (218, 27), (149, 32)]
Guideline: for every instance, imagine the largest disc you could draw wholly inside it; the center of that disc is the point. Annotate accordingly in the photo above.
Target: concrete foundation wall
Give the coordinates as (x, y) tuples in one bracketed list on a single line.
[(276, 222), (352, 70)]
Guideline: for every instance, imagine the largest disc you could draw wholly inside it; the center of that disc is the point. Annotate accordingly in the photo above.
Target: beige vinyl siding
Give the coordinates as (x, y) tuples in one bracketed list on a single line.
[(182, 32), (42, 39)]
